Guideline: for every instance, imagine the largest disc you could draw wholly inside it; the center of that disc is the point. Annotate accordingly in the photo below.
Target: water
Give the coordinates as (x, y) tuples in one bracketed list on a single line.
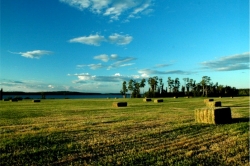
[(65, 96)]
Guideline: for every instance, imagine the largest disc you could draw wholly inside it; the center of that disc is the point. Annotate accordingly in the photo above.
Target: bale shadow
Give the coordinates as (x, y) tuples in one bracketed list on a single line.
[(239, 120)]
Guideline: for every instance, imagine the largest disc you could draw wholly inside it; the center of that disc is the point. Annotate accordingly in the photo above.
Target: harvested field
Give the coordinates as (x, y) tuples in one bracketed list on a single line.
[(92, 132)]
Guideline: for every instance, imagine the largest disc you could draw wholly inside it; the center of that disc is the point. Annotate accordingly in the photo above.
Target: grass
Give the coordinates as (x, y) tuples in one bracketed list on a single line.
[(92, 132)]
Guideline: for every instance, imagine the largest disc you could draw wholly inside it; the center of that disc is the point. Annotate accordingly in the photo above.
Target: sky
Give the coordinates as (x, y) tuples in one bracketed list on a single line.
[(95, 45)]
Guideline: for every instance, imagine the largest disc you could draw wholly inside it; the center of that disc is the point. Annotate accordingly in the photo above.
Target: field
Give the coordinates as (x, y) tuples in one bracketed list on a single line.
[(92, 132)]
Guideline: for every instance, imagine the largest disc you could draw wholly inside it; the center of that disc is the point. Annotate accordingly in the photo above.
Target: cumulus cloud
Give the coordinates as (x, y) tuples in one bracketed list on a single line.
[(229, 63), (89, 40), (120, 39), (102, 57), (96, 40), (51, 86), (86, 78), (111, 8), (105, 57), (33, 54)]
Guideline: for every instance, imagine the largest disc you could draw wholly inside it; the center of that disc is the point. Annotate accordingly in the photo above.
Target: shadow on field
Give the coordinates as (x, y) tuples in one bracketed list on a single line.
[(239, 120)]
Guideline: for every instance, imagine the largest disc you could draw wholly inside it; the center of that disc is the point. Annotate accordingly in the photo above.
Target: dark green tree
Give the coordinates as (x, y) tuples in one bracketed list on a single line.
[(124, 89), (170, 84), (205, 84)]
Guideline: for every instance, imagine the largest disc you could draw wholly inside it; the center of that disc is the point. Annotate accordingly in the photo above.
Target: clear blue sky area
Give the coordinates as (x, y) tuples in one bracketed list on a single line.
[(95, 45)]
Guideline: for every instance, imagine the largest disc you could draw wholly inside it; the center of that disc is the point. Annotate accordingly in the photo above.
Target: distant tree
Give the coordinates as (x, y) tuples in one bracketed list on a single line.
[(124, 89), (187, 85), (205, 83), (170, 84), (153, 82), (176, 85), (134, 87), (161, 84), (131, 87)]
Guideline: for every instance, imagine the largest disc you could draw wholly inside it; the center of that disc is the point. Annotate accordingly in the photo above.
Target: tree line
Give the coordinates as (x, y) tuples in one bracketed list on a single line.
[(204, 88)]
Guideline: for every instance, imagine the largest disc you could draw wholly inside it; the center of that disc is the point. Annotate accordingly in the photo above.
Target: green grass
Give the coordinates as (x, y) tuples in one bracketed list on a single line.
[(92, 132)]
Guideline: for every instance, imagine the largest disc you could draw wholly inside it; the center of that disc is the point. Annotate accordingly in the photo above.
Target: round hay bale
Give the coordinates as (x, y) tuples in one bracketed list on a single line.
[(13, 100), (147, 99), (213, 104), (158, 100), (208, 100), (120, 104)]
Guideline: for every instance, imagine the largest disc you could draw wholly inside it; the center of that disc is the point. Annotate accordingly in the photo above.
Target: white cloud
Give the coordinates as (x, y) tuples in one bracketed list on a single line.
[(86, 78), (229, 63), (97, 39), (51, 86), (148, 72), (96, 66), (113, 56), (112, 8), (105, 57), (89, 40), (122, 62), (102, 57), (120, 39), (119, 62), (80, 4), (162, 65), (33, 54), (99, 5)]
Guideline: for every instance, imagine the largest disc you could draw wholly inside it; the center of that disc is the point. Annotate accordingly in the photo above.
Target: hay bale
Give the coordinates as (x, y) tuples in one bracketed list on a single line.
[(208, 100), (213, 115), (147, 100), (36, 101), (158, 100), (13, 100), (175, 97), (120, 104), (213, 104)]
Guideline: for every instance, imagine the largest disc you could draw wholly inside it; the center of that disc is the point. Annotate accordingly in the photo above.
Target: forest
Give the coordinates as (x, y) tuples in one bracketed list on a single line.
[(173, 88)]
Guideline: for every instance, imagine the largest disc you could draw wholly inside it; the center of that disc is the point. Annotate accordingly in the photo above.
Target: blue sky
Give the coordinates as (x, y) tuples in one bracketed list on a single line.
[(95, 45)]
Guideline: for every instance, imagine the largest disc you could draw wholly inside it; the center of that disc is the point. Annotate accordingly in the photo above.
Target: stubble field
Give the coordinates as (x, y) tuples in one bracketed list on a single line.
[(92, 132)]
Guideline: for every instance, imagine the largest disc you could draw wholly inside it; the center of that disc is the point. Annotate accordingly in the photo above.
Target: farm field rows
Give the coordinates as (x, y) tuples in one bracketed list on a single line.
[(92, 132)]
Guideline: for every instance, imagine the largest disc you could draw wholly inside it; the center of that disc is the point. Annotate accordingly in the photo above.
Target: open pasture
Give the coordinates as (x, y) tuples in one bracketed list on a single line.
[(93, 132)]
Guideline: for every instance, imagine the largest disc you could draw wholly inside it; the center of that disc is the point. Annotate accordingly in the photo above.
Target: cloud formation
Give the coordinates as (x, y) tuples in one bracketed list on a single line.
[(33, 54), (148, 72), (118, 62), (229, 63), (120, 39), (113, 8), (96, 40), (86, 78), (89, 40), (105, 57), (121, 62), (162, 65)]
